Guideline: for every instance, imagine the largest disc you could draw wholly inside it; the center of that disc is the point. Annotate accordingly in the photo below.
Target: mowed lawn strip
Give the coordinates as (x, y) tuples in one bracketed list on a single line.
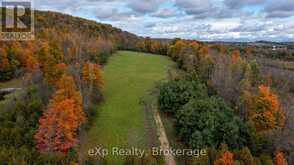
[(120, 121)]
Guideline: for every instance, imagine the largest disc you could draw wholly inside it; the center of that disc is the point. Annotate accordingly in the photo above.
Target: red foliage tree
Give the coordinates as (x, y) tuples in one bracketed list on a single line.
[(235, 56), (280, 159), (226, 159), (60, 122)]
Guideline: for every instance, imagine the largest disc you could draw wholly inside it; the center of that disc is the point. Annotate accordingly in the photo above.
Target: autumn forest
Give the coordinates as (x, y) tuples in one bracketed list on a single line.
[(81, 84)]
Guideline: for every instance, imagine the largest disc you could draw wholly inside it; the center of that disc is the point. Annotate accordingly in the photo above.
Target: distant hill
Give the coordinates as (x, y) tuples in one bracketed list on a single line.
[(64, 23)]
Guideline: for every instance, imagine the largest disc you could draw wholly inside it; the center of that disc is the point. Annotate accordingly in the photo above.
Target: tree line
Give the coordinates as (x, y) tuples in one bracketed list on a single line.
[(223, 104), (62, 75)]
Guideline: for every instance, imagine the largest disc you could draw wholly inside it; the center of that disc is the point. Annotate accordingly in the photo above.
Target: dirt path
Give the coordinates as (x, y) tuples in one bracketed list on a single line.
[(164, 144)]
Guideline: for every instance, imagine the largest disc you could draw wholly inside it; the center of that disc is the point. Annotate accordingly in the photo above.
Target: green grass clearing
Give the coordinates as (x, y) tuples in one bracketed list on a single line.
[(14, 83), (119, 122)]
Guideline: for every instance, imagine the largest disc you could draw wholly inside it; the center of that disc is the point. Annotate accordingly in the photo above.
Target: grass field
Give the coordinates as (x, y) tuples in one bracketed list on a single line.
[(119, 121), (14, 83)]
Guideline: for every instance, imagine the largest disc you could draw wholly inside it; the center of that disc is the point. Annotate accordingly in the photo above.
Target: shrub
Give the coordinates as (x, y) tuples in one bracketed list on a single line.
[(103, 58), (174, 94), (266, 160), (259, 143), (209, 122), (246, 156)]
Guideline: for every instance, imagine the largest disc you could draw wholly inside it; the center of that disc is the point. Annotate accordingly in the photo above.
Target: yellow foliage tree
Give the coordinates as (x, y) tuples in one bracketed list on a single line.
[(92, 75), (266, 113)]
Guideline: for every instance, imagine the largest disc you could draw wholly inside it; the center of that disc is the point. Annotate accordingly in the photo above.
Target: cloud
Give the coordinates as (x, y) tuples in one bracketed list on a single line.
[(237, 4), (113, 14), (145, 6), (209, 9), (166, 13), (195, 7), (252, 28), (280, 14), (57, 5), (280, 9), (150, 25)]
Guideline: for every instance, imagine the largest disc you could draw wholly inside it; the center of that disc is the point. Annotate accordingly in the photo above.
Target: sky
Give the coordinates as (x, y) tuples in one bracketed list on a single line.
[(206, 20)]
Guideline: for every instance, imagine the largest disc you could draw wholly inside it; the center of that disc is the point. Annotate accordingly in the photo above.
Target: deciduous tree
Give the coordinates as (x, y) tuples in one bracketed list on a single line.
[(60, 122), (266, 113), (235, 56), (92, 75), (226, 159), (246, 156), (4, 63), (280, 159)]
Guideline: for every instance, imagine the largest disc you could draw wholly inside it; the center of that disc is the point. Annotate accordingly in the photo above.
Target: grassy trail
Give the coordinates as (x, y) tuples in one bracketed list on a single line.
[(119, 122)]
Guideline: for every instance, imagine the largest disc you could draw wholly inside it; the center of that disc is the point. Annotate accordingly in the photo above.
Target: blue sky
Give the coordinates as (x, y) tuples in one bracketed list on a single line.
[(213, 20)]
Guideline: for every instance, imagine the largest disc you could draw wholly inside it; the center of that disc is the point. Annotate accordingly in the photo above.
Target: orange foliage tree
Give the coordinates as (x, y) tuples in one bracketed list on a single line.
[(280, 159), (222, 49), (204, 50), (226, 159), (17, 53), (248, 52), (92, 75), (60, 122), (50, 64), (266, 113), (175, 50), (31, 63), (235, 56)]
